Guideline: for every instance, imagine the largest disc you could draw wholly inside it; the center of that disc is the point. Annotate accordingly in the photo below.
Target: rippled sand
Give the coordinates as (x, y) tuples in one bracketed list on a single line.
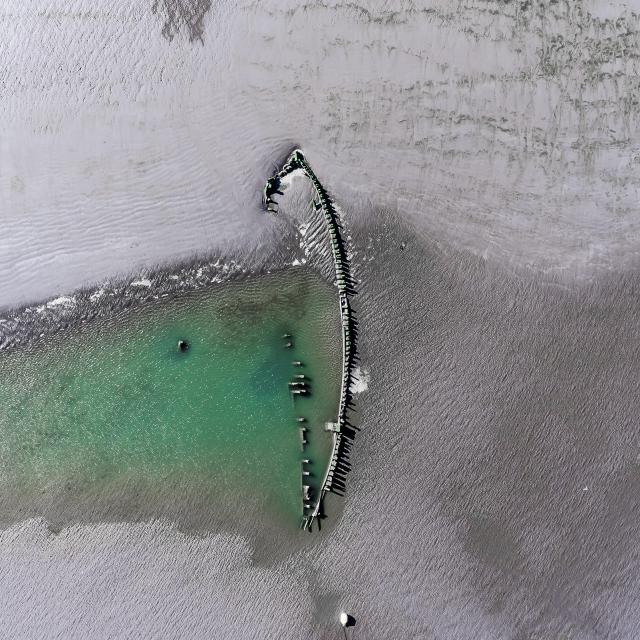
[(485, 156), (505, 130)]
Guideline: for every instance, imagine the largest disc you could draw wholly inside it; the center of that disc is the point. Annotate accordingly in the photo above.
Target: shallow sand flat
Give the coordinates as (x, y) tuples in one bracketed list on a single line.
[(495, 482), (137, 581)]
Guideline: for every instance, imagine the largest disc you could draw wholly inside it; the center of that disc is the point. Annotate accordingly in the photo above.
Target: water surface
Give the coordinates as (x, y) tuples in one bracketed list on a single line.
[(115, 412)]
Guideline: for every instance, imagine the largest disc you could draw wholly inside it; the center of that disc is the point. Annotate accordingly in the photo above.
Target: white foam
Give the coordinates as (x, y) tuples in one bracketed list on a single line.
[(61, 301), (144, 282), (96, 295), (360, 381), (303, 228)]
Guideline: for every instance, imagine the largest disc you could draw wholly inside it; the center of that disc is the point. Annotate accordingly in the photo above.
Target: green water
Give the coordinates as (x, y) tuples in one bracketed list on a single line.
[(117, 400)]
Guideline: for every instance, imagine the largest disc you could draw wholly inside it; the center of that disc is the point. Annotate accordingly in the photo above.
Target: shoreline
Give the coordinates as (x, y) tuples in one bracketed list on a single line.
[(26, 324)]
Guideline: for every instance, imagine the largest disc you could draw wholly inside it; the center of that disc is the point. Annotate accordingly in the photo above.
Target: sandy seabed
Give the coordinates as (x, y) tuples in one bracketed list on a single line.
[(485, 157)]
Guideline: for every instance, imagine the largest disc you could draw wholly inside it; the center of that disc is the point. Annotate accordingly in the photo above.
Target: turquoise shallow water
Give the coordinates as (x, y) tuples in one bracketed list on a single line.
[(117, 402)]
